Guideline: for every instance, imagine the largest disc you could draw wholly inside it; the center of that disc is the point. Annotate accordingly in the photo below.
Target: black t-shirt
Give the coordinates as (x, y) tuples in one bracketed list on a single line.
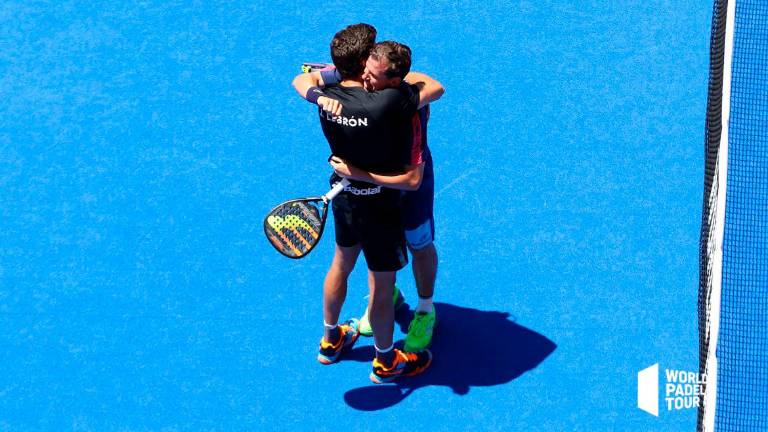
[(375, 131)]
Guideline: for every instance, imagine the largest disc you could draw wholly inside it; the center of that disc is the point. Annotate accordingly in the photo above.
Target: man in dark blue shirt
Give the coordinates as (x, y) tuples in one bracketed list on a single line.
[(416, 205), (368, 130)]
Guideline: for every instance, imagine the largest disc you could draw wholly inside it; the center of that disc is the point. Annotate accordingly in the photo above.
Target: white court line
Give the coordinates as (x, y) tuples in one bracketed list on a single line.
[(455, 181)]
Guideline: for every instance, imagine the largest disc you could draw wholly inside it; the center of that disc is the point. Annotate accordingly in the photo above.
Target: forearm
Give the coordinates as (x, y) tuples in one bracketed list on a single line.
[(410, 180), (430, 89), (305, 81), (307, 86), (414, 77)]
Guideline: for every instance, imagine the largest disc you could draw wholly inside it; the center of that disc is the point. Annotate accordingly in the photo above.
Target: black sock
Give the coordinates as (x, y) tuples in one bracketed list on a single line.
[(387, 356), (332, 334)]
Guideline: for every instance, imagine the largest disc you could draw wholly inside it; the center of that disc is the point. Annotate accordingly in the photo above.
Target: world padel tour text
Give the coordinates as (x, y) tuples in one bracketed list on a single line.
[(683, 389)]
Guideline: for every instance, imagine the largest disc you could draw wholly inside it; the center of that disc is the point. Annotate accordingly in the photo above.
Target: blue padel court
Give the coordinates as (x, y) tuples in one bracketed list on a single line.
[(142, 144)]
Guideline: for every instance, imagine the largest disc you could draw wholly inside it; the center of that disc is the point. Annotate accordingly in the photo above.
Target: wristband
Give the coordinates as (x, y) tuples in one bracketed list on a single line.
[(313, 94)]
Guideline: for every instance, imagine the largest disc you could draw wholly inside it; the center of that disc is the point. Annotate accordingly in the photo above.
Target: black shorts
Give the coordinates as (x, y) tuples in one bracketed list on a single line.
[(372, 221)]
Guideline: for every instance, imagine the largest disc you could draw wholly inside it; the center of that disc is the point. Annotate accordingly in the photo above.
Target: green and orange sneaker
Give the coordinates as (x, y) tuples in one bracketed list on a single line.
[(420, 331), (329, 352), (405, 364), (365, 324)]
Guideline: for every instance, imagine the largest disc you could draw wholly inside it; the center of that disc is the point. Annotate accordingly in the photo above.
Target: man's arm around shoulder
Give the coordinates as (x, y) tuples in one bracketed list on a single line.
[(430, 89), (308, 85)]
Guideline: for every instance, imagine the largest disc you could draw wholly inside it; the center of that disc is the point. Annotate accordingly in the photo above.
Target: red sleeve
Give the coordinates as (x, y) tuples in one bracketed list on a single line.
[(417, 148)]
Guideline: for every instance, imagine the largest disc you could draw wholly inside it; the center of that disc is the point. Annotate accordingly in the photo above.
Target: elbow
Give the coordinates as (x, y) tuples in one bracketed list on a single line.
[(414, 177), (301, 84), (413, 183), (295, 84), (440, 89), (437, 92)]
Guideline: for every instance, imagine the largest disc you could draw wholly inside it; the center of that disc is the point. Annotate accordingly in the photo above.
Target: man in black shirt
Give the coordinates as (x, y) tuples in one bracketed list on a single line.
[(370, 130)]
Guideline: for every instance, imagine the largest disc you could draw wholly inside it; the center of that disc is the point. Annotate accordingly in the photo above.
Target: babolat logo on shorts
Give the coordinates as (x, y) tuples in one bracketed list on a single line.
[(368, 191)]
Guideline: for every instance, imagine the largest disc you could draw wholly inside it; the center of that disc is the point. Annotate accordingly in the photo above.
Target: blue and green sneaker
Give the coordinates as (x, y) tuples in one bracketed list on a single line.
[(420, 331), (365, 324)]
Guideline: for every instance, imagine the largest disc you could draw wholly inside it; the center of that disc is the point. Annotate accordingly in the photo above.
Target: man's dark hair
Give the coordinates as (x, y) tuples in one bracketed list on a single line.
[(350, 48), (397, 55)]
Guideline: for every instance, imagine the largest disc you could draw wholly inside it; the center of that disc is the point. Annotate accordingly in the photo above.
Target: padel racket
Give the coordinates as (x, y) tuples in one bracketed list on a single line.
[(315, 67), (294, 227)]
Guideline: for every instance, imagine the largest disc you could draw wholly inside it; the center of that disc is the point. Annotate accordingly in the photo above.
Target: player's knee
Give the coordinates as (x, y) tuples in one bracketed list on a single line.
[(344, 263), (424, 252), (341, 269)]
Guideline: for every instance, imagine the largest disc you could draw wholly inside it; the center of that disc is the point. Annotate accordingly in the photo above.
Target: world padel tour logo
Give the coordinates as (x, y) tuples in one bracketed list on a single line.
[(682, 389)]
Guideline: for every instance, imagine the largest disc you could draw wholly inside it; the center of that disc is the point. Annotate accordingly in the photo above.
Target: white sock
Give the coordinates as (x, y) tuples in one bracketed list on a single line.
[(384, 351), (425, 305), (330, 326)]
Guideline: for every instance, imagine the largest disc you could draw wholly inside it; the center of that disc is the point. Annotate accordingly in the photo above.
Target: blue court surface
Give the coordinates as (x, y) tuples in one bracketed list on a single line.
[(142, 143)]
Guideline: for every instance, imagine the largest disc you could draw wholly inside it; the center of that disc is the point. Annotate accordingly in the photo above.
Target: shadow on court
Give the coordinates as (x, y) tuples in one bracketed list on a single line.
[(470, 348)]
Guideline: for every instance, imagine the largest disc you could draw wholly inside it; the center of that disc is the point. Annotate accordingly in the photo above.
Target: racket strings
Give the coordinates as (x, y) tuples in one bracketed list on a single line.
[(295, 227)]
